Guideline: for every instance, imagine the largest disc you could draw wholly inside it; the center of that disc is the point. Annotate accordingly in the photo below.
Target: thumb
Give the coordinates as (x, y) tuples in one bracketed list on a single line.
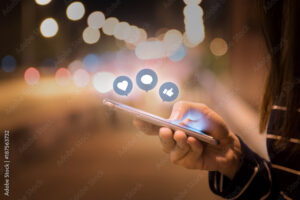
[(178, 111), (207, 120), (180, 108), (187, 121)]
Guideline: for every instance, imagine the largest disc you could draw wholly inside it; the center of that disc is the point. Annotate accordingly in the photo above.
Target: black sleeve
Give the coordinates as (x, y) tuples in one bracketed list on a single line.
[(253, 179)]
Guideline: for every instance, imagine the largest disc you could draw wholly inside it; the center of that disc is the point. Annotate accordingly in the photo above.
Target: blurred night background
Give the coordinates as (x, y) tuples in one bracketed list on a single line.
[(58, 61)]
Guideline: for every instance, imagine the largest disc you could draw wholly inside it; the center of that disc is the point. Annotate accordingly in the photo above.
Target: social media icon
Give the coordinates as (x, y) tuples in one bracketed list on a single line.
[(146, 79), (122, 85), (168, 91)]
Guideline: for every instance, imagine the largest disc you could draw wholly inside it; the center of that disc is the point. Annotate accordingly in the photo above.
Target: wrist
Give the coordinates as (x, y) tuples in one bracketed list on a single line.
[(233, 158)]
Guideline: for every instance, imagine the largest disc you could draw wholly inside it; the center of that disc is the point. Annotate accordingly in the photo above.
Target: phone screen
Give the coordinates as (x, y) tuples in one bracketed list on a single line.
[(159, 121)]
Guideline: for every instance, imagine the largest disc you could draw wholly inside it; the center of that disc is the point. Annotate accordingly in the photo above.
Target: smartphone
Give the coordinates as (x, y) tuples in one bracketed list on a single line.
[(158, 121)]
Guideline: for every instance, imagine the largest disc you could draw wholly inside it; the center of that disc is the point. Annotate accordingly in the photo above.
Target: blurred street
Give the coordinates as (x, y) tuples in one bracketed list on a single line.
[(60, 59)]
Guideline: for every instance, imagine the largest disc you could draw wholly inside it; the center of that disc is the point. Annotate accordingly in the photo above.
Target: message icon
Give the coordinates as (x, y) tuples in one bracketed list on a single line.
[(168, 91), (122, 85), (146, 79)]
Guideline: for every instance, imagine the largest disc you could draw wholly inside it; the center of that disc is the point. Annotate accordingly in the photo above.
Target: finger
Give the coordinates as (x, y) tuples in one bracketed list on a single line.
[(180, 108), (177, 110), (196, 145), (209, 121), (181, 139), (193, 159), (166, 139), (181, 149), (146, 127), (186, 121)]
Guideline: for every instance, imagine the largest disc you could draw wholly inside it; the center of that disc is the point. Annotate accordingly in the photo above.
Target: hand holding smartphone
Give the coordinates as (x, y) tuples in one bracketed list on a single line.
[(158, 121)]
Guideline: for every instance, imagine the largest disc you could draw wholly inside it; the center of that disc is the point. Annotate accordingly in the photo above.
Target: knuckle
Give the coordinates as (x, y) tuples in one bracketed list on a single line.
[(179, 104), (203, 107)]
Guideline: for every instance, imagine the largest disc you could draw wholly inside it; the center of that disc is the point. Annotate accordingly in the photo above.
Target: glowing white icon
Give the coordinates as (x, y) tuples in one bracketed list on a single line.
[(168, 92), (146, 79), (122, 85)]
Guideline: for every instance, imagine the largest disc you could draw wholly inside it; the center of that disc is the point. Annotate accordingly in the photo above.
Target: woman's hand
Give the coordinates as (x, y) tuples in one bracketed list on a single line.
[(189, 152)]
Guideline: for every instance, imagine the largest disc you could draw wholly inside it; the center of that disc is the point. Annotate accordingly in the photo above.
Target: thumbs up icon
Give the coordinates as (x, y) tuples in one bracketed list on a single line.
[(168, 92)]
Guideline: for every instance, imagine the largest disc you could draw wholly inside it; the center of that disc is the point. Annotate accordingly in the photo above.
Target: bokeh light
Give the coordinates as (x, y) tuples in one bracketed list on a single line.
[(109, 25), (194, 27), (149, 50), (74, 65), (90, 35), (81, 78), (178, 55), (75, 11), (143, 35), (8, 63), (122, 31), (42, 2), (187, 43), (172, 41), (191, 11), (103, 81), (218, 47), (62, 76), (49, 27), (134, 36), (32, 76), (96, 19), (91, 62), (192, 1)]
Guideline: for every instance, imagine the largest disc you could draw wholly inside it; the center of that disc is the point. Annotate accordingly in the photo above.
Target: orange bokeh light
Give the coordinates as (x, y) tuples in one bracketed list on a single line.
[(32, 76), (62, 76)]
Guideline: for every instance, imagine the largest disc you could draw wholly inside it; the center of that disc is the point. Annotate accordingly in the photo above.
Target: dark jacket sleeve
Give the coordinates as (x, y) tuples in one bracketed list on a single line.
[(253, 180)]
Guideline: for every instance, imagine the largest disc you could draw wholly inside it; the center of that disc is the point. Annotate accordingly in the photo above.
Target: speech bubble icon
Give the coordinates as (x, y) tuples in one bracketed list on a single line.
[(122, 85), (147, 79), (168, 91)]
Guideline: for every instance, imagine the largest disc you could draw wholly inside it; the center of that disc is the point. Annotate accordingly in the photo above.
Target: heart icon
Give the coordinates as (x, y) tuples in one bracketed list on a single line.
[(122, 85)]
